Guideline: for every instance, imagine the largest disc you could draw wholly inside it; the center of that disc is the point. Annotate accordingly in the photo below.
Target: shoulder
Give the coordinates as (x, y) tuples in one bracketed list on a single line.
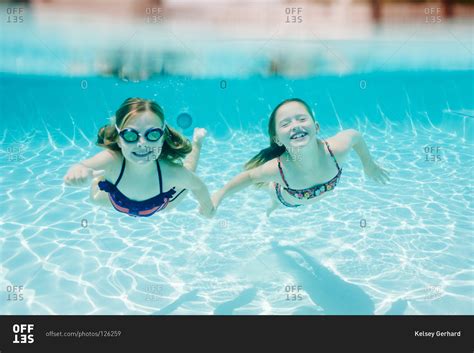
[(172, 167), (265, 172), (342, 143), (176, 171), (344, 139), (115, 156), (115, 160)]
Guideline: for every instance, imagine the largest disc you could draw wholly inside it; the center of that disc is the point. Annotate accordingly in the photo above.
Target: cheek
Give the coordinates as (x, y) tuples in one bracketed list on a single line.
[(311, 126), (126, 149), (155, 147), (283, 133)]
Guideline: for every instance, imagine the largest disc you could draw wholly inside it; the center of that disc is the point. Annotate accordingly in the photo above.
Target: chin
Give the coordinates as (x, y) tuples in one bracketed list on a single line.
[(141, 161)]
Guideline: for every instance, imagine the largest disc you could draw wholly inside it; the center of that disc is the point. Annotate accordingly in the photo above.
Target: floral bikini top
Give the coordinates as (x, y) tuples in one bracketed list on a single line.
[(310, 192)]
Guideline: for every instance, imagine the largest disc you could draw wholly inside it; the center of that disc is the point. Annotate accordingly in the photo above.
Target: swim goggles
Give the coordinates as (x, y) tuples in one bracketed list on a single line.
[(130, 135)]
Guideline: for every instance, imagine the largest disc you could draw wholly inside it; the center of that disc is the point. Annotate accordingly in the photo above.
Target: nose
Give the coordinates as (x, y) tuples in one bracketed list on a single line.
[(294, 124), (141, 141)]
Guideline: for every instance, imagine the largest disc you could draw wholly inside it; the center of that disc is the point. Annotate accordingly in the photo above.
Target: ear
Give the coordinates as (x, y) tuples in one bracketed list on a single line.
[(277, 141), (317, 127)]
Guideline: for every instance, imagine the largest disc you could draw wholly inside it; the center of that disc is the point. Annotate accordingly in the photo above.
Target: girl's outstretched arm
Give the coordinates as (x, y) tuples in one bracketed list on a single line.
[(80, 173), (371, 169), (192, 182), (264, 173)]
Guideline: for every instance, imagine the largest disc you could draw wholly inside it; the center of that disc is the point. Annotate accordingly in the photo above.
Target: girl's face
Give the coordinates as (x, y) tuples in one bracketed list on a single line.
[(294, 126), (142, 151)]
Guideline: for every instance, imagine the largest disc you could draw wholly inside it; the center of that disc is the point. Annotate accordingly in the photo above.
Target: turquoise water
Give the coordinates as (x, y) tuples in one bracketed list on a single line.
[(403, 248)]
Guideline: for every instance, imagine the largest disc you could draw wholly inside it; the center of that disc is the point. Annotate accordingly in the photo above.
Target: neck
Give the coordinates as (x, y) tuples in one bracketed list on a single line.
[(306, 157), (141, 169)]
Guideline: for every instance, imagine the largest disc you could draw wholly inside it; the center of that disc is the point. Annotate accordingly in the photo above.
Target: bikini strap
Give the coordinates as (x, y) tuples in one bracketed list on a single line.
[(280, 197), (281, 173), (121, 173), (159, 176), (332, 154)]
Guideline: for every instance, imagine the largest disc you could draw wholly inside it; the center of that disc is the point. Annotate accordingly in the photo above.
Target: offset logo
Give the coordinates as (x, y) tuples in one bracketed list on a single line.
[(293, 292), (23, 333)]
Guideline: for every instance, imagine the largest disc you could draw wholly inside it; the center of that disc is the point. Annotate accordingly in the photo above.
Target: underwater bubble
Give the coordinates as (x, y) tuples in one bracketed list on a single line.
[(184, 120)]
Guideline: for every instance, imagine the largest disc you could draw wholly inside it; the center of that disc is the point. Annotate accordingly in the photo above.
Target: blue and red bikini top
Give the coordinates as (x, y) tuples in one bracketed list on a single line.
[(134, 208)]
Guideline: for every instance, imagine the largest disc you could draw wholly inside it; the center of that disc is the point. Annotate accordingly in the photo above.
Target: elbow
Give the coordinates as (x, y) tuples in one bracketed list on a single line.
[(354, 132), (355, 136), (250, 177)]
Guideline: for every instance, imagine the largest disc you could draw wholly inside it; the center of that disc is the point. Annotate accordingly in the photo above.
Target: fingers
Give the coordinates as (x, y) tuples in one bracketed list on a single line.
[(376, 179), (75, 180), (97, 173), (212, 212), (80, 176), (215, 202), (84, 175), (384, 171), (70, 181), (207, 213), (384, 174), (381, 177)]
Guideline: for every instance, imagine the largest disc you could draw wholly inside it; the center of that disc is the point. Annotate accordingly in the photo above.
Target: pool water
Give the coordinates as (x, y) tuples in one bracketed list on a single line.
[(402, 248)]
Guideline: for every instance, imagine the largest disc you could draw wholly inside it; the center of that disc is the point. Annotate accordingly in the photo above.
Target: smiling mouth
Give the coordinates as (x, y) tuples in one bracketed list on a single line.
[(141, 155), (298, 135)]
